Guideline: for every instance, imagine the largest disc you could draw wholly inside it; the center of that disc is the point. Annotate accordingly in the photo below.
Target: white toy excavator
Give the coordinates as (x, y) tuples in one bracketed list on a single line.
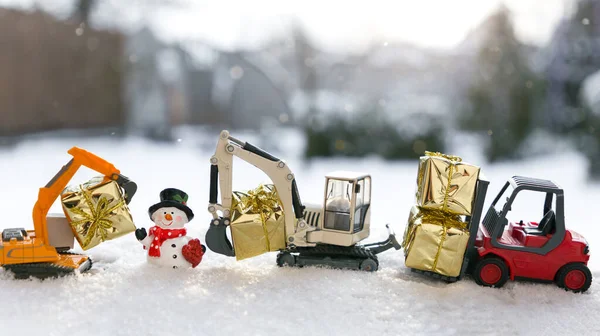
[(315, 235)]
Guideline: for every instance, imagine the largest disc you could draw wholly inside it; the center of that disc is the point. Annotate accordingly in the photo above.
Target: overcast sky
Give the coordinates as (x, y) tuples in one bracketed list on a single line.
[(336, 24)]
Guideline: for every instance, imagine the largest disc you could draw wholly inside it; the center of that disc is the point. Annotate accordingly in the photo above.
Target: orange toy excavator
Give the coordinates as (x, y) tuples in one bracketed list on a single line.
[(30, 253)]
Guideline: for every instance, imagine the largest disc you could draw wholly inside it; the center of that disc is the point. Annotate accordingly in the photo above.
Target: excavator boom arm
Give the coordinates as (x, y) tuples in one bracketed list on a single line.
[(276, 169), (49, 193)]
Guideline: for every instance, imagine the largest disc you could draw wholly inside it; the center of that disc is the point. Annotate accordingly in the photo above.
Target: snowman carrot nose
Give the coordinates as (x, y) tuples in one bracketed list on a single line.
[(168, 217)]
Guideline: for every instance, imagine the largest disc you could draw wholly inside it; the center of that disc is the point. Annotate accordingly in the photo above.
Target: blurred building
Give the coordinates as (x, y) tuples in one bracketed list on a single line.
[(57, 75), (244, 92), (191, 83), (157, 93), (199, 63)]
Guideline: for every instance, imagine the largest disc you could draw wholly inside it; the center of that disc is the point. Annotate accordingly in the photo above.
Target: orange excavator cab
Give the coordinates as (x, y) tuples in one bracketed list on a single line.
[(30, 252)]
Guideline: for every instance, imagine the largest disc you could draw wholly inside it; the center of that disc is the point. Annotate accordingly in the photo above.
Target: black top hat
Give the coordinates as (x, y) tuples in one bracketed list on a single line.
[(172, 197)]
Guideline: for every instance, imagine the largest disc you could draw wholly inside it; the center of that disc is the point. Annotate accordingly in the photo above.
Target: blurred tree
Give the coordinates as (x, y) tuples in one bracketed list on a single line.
[(589, 143), (83, 9), (588, 134), (573, 54), (305, 65), (503, 91), (587, 16), (372, 132), (574, 57)]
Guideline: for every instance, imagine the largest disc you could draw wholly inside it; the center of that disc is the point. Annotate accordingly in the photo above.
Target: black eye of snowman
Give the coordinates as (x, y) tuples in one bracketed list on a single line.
[(165, 212), (172, 213)]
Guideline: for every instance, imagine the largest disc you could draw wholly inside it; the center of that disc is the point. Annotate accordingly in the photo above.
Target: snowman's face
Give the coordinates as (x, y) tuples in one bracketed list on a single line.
[(169, 218)]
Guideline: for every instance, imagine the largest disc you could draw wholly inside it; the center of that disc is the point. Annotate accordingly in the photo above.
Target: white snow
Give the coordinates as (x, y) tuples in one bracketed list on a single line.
[(122, 295)]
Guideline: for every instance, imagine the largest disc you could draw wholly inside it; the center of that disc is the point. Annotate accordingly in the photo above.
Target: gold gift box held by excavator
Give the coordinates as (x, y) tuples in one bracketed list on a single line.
[(325, 235), (257, 222), (44, 251), (97, 212)]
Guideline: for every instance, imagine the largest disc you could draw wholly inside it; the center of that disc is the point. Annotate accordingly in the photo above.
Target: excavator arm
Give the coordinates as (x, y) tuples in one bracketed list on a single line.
[(49, 193), (277, 170)]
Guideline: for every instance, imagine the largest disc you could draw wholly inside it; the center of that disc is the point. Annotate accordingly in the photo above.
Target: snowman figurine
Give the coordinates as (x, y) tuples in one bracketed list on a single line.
[(166, 242)]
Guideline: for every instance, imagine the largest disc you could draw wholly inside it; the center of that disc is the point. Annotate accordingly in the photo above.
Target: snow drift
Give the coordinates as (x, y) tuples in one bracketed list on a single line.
[(123, 295)]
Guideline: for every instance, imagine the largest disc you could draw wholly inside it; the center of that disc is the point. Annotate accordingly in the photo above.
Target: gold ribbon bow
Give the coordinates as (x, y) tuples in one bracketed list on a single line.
[(445, 156), (262, 200), (95, 223)]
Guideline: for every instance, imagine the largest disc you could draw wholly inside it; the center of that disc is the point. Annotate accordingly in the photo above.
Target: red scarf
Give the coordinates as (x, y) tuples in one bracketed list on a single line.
[(160, 235)]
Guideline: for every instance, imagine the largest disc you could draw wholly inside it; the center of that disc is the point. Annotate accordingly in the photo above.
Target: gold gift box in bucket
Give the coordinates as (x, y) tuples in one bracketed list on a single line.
[(257, 222), (97, 212), (446, 183), (435, 241)]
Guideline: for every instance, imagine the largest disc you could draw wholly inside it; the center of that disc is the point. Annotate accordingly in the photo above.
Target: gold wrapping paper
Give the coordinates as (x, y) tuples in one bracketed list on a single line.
[(435, 241), (97, 212), (445, 182), (257, 222)]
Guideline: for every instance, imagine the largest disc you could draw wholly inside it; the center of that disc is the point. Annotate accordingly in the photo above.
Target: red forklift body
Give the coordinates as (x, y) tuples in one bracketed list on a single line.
[(527, 265), (537, 251), (498, 250)]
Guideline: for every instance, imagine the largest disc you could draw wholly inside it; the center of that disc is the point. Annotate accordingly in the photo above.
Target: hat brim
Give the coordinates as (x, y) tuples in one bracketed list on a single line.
[(166, 204)]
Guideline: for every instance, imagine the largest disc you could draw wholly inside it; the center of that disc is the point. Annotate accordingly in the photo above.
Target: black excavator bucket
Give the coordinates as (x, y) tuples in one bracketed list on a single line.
[(217, 241)]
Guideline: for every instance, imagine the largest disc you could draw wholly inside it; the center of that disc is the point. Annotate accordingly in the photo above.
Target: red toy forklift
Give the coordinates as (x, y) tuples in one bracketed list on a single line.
[(544, 252)]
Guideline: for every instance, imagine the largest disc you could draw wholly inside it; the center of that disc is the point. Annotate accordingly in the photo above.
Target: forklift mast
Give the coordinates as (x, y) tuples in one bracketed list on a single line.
[(471, 255), (473, 221)]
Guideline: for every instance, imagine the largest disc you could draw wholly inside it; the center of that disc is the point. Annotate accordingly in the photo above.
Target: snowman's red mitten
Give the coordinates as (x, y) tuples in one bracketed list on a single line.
[(193, 252)]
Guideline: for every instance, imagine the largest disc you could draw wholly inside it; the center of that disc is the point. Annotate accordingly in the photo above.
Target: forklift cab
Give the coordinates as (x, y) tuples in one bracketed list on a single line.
[(347, 201), (537, 237), (551, 252)]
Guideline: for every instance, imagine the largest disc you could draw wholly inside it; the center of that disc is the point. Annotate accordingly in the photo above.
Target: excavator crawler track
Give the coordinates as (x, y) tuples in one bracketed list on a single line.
[(333, 250), (45, 270), (351, 257)]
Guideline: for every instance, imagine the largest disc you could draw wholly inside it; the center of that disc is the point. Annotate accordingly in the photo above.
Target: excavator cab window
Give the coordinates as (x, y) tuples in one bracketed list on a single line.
[(338, 205), (18, 234), (363, 200)]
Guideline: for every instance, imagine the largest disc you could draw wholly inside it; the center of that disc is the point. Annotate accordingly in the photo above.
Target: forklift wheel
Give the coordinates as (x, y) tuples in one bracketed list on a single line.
[(574, 277), (491, 272)]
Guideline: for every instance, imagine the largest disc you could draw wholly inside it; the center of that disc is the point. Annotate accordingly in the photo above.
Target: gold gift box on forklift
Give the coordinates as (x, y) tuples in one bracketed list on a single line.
[(436, 236), (446, 183), (435, 241)]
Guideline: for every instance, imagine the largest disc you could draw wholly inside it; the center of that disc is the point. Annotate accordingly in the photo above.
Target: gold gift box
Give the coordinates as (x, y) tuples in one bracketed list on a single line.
[(435, 241), (445, 182), (257, 222), (97, 212)]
